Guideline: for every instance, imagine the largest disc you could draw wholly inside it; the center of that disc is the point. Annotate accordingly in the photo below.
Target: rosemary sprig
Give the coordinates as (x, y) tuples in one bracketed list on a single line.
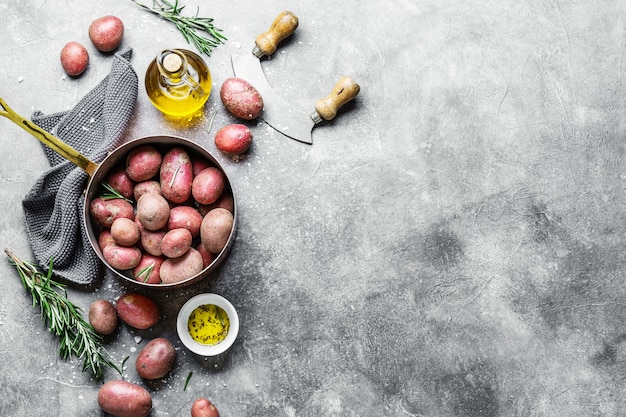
[(188, 26), (211, 120), (64, 319), (144, 274), (187, 380), (107, 192)]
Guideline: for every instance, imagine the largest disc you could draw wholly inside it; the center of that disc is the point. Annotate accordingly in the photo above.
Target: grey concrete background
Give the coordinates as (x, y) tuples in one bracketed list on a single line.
[(451, 245)]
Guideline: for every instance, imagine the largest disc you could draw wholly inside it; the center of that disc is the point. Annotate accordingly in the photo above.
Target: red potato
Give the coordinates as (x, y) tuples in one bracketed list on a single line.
[(156, 359), (151, 241), (176, 175), (143, 163), (204, 408), (179, 269), (105, 238), (225, 201), (185, 217), (215, 229), (125, 232), (207, 257), (106, 33), (241, 99), (104, 212), (146, 187), (137, 311), (102, 317), (233, 139), (120, 181), (198, 164), (176, 242), (74, 59), (153, 211), (208, 185), (122, 257), (147, 270), (124, 399)]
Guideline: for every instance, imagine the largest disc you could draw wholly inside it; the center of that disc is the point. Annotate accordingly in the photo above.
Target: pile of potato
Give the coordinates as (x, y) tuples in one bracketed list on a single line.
[(106, 35), (175, 217), (156, 359)]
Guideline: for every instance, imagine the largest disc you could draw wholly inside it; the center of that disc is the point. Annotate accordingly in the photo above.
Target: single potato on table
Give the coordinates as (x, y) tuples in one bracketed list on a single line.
[(204, 408), (137, 311), (124, 399), (106, 33), (156, 359), (103, 317)]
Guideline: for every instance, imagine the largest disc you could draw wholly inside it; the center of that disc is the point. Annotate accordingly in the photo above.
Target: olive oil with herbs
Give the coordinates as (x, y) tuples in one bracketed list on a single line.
[(208, 324)]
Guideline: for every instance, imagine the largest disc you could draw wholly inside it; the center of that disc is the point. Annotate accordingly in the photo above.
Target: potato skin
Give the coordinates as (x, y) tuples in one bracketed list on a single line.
[(176, 175), (137, 311), (120, 181), (176, 242), (156, 359), (106, 33), (122, 257), (141, 274), (153, 210), (103, 317), (226, 201), (104, 212), (143, 163), (233, 139), (185, 217), (74, 59), (179, 269), (124, 399), (208, 185), (241, 99), (204, 408), (151, 241), (215, 229), (145, 187), (105, 238), (207, 257), (198, 164), (125, 232)]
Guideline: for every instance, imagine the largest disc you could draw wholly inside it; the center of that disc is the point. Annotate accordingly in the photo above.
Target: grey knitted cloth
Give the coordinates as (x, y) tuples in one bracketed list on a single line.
[(53, 208)]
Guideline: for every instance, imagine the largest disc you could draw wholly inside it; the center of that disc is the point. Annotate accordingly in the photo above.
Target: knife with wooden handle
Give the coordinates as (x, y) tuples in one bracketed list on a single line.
[(278, 113)]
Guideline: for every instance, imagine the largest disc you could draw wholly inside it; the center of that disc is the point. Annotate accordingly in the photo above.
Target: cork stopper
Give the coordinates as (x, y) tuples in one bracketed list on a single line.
[(172, 63)]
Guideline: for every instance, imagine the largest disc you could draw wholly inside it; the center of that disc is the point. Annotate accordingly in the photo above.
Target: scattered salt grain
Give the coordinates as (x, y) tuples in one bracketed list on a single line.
[(137, 339)]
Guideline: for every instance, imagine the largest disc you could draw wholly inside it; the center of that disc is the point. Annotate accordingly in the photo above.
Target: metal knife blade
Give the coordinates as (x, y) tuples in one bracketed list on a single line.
[(277, 113)]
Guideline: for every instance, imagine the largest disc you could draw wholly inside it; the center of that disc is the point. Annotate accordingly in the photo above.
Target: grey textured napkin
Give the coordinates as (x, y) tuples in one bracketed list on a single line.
[(53, 208)]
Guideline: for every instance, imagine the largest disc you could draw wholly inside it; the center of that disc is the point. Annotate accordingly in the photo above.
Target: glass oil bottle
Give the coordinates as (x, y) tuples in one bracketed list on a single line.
[(178, 82)]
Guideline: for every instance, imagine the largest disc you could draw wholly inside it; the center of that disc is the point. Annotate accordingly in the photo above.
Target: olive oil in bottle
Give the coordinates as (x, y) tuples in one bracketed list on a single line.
[(178, 82)]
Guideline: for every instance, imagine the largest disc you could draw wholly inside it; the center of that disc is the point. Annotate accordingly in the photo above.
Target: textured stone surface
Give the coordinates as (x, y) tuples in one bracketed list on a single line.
[(451, 245)]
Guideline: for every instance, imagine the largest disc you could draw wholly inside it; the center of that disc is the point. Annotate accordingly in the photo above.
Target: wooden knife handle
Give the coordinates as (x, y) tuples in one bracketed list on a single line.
[(344, 91), (283, 26)]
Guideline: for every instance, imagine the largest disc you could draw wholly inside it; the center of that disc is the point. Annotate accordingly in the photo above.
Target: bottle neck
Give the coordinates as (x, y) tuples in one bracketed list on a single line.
[(174, 75)]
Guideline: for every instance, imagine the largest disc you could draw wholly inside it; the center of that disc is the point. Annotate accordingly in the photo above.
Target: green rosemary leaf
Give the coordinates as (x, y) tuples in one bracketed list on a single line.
[(107, 192), (187, 380), (198, 31), (63, 318)]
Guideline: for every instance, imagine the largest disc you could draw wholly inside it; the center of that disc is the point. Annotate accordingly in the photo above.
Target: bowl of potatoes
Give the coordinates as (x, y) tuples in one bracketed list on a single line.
[(160, 212)]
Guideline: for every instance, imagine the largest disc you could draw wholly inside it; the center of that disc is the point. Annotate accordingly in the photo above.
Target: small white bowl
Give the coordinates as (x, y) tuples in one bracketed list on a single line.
[(183, 318)]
